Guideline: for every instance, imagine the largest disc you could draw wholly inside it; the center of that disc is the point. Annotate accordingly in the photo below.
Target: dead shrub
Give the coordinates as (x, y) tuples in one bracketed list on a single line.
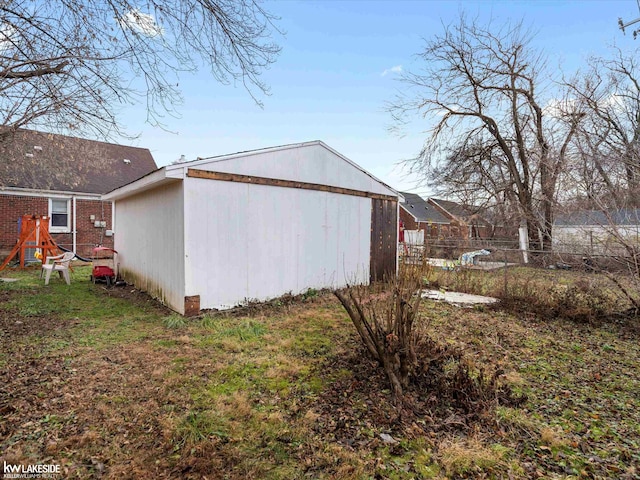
[(446, 378), (437, 374), (384, 315)]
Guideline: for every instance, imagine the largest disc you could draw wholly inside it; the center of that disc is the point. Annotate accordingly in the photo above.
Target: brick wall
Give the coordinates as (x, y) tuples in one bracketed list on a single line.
[(12, 207), (88, 236), (408, 221)]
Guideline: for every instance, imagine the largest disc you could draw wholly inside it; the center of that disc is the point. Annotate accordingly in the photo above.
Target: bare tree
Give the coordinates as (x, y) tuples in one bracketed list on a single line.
[(608, 94), (493, 121), (603, 183), (69, 65)]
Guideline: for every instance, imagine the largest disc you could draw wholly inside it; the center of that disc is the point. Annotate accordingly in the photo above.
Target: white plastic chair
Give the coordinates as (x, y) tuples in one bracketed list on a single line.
[(60, 264)]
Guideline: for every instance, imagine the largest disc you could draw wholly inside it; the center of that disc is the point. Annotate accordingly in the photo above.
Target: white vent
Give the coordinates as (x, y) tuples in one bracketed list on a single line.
[(127, 161), (30, 155), (37, 147)]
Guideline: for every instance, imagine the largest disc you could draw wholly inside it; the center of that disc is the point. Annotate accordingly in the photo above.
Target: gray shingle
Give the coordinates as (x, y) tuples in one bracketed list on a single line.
[(45, 161), (421, 210)]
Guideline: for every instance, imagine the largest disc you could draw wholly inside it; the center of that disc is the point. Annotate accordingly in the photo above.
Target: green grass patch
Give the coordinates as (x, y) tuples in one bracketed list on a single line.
[(174, 321), (198, 426)]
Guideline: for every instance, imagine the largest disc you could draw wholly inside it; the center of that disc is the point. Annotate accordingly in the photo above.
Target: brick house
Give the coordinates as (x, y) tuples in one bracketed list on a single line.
[(470, 224), (418, 214), (63, 178), (441, 218)]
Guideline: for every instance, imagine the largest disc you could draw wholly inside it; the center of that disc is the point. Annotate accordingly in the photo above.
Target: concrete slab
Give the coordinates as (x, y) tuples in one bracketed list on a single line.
[(492, 265), (458, 298), (453, 264)]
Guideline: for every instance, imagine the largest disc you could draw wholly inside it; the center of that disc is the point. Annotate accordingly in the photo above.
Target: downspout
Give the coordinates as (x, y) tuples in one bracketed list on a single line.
[(398, 234), (74, 225), (113, 221), (113, 234)]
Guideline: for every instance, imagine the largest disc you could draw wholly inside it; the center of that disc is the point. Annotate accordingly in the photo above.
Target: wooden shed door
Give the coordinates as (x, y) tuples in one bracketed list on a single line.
[(384, 241)]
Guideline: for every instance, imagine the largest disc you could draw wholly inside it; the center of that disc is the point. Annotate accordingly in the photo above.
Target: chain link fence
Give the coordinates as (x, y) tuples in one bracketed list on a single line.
[(506, 252)]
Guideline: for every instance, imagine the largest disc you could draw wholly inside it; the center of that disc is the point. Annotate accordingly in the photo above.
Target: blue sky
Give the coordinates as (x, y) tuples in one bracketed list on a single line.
[(336, 72)]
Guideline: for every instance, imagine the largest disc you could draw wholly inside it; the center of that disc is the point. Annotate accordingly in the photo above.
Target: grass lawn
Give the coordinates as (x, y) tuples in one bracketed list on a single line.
[(108, 384)]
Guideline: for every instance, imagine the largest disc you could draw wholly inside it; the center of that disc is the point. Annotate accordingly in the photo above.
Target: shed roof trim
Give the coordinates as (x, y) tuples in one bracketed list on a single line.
[(247, 153), (149, 181)]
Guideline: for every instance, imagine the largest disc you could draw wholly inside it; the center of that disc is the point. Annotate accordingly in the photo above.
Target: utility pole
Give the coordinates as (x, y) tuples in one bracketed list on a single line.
[(624, 25)]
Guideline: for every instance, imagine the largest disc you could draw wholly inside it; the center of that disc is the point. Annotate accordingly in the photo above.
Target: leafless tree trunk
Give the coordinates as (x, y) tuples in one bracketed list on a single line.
[(607, 146)]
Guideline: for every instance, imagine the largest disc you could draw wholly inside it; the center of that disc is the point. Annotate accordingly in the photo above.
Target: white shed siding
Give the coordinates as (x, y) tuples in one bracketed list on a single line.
[(149, 237), (312, 163), (257, 242)]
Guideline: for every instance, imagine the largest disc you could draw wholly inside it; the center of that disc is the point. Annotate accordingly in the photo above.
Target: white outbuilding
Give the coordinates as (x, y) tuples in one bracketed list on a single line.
[(216, 232), (597, 232)]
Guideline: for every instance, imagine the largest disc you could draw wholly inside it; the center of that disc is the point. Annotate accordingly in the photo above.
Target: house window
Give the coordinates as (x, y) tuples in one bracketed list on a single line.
[(59, 215)]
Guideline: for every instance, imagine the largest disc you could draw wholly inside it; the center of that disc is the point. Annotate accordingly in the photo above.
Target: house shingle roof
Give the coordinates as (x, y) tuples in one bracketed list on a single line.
[(453, 208), (465, 213), (421, 210), (45, 161), (622, 216)]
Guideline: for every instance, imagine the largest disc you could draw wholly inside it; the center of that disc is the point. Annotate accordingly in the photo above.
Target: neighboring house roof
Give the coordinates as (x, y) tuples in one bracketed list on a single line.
[(623, 216), (45, 161), (465, 213), (420, 209)]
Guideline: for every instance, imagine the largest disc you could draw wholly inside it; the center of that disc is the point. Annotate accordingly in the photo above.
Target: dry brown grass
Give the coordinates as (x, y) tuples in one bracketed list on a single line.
[(464, 457), (109, 391)]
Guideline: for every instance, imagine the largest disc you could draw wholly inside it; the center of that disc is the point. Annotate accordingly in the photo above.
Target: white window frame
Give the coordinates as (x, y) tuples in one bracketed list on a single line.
[(60, 229)]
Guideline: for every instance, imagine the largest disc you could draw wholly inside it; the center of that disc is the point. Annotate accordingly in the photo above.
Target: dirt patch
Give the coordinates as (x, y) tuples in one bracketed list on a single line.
[(279, 305), (133, 295), (112, 406), (14, 323), (435, 401)]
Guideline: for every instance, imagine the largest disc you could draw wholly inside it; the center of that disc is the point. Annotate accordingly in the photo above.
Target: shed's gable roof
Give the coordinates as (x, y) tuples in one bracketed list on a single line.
[(220, 159), (46, 161), (420, 209), (623, 216), (269, 163)]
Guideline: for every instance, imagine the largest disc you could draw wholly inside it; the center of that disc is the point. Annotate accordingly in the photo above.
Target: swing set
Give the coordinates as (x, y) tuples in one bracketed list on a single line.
[(34, 233)]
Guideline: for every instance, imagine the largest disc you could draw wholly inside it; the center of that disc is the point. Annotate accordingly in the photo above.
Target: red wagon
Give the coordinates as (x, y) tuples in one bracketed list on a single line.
[(104, 265)]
